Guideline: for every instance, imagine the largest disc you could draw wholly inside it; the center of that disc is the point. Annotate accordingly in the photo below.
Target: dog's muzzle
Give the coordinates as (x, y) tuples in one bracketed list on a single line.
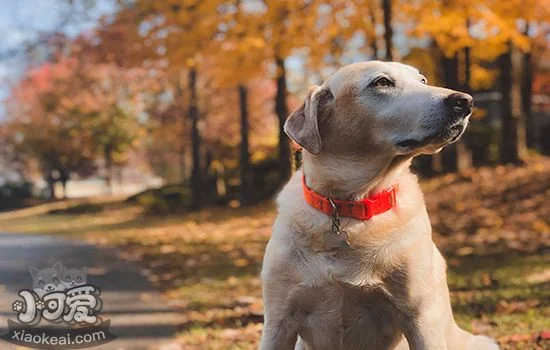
[(460, 105), (457, 107)]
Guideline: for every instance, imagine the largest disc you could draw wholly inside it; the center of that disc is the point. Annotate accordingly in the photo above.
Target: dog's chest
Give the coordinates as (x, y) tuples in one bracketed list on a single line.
[(337, 316)]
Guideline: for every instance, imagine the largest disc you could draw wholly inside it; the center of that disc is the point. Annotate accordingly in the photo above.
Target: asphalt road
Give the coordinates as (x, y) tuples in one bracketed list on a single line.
[(140, 318)]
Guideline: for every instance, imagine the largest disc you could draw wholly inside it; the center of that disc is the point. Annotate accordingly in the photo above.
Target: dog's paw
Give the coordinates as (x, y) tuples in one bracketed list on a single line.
[(481, 342)]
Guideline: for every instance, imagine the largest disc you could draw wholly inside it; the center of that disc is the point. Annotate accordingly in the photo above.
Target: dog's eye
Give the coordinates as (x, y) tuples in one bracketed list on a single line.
[(424, 81), (383, 82)]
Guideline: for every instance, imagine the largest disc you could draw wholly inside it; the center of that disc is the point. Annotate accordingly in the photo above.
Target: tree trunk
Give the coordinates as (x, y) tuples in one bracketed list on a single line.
[(183, 117), (181, 160), (467, 68), (509, 152), (120, 176), (464, 153), (196, 179), (526, 93), (450, 71), (208, 159), (51, 190), (281, 110), (108, 157), (64, 178), (245, 152), (388, 29), (372, 30), (64, 185), (51, 185), (449, 157)]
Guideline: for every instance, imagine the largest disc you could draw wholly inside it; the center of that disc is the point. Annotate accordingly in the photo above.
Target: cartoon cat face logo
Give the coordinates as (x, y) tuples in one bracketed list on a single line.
[(74, 277), (47, 280)]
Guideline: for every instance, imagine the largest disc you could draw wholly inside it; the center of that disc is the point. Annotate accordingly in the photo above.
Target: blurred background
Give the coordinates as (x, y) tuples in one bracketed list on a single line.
[(156, 127)]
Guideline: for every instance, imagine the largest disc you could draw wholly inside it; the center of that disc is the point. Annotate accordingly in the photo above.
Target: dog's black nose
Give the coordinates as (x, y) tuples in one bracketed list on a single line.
[(460, 103)]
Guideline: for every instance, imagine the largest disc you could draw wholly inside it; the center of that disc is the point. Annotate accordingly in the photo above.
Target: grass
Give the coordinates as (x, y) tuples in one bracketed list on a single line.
[(494, 235)]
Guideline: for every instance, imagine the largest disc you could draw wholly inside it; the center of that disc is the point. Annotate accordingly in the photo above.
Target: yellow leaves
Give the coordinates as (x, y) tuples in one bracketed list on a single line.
[(492, 24), (540, 226), (504, 28), (241, 262), (183, 29), (333, 30), (191, 62), (479, 113), (255, 42), (482, 78), (424, 60)]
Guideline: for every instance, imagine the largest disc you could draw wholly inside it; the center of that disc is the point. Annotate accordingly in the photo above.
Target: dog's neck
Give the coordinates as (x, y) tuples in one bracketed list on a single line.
[(354, 179), (351, 178)]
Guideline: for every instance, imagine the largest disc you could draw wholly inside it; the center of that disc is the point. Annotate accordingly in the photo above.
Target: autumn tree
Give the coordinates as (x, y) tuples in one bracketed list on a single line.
[(46, 127), (113, 97), (119, 42), (511, 20), (521, 22), (115, 124), (179, 32), (188, 38), (166, 145), (365, 19), (284, 25), (449, 24), (242, 50), (509, 151)]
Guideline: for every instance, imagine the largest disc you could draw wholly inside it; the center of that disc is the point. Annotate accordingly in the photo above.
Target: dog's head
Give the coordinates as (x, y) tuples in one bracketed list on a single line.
[(382, 108)]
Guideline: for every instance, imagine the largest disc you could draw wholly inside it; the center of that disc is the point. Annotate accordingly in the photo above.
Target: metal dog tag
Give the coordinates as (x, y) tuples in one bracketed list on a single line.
[(334, 240)]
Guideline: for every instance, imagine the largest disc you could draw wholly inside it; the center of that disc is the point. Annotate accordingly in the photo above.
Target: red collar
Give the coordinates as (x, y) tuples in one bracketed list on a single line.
[(363, 209)]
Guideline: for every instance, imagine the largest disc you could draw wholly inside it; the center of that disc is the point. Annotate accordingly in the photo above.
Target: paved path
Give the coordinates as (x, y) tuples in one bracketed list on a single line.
[(140, 318)]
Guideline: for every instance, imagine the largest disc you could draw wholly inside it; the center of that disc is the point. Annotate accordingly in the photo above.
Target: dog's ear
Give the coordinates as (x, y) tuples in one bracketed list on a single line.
[(302, 125)]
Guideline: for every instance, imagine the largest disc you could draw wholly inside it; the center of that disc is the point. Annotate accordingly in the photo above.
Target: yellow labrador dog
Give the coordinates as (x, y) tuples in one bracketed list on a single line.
[(351, 263)]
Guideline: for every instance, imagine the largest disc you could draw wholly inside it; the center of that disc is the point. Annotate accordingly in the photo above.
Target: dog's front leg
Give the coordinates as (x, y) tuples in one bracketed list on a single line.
[(280, 327), (426, 325), (280, 330), (421, 296), (428, 320), (278, 335), (423, 335)]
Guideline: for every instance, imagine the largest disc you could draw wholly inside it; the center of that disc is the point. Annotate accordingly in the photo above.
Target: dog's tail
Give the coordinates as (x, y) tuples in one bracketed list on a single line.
[(481, 342)]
